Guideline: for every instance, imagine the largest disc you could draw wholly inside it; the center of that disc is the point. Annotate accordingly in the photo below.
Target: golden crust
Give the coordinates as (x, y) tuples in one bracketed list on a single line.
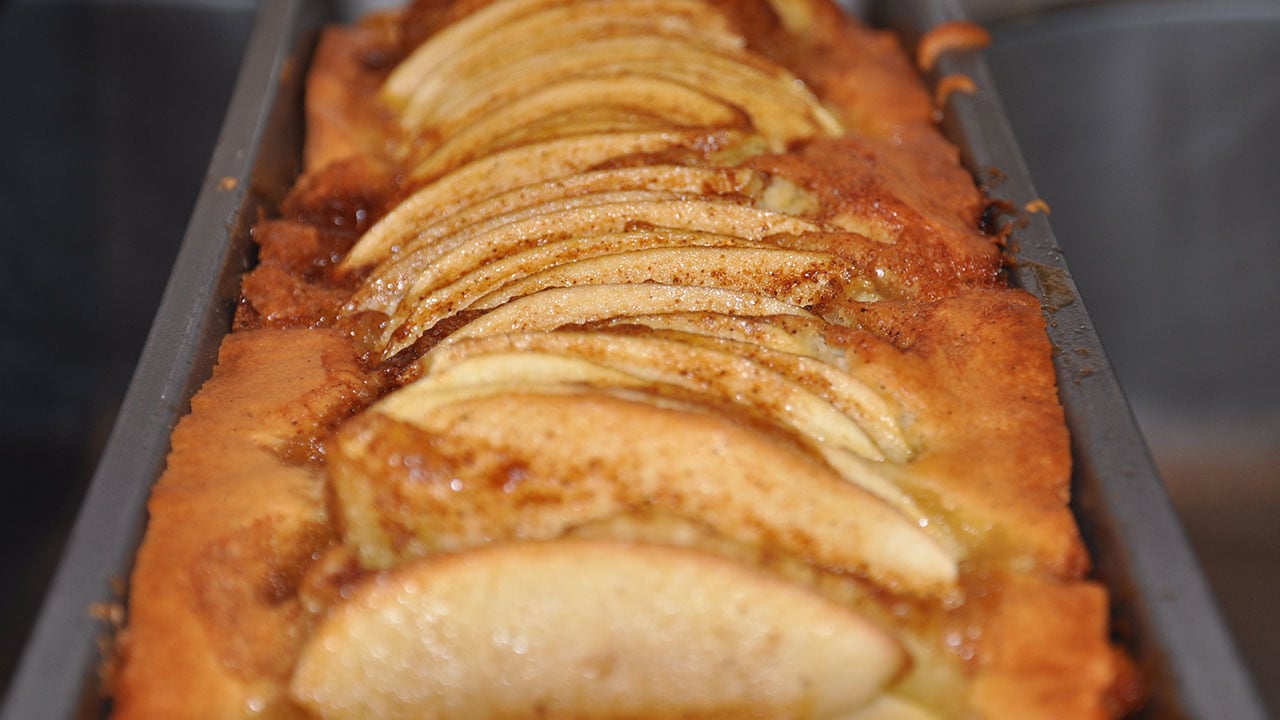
[(341, 123), (1017, 678), (213, 620), (983, 357)]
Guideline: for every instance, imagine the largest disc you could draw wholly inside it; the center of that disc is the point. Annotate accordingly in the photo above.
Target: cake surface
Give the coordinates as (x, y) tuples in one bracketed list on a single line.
[(625, 358)]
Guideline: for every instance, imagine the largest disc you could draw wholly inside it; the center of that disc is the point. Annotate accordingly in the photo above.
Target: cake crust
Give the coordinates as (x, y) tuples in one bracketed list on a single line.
[(330, 458)]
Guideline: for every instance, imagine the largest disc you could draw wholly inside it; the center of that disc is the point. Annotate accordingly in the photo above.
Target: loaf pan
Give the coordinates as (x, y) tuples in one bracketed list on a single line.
[(1164, 613)]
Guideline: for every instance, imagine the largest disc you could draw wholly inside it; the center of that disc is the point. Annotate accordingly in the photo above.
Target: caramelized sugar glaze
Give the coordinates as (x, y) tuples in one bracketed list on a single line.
[(789, 362)]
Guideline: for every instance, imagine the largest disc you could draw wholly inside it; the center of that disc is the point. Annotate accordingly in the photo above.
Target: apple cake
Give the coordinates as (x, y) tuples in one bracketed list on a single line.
[(621, 359)]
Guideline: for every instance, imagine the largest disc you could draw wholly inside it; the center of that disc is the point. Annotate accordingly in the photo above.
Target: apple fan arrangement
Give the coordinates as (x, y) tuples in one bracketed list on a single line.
[(621, 359)]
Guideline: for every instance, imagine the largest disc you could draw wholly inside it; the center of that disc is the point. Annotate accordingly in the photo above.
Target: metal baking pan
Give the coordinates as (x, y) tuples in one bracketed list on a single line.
[(1164, 612)]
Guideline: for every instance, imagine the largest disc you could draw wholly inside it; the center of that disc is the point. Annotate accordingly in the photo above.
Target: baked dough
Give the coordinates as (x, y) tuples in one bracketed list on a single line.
[(696, 392)]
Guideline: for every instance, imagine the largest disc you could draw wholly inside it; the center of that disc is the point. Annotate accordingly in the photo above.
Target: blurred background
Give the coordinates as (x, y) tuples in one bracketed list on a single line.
[(1151, 128)]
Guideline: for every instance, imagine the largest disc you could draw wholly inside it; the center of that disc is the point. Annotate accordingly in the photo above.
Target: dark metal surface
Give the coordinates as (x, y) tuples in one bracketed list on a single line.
[(1166, 614)]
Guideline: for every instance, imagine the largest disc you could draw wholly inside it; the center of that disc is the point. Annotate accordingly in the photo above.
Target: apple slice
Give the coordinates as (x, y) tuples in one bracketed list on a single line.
[(612, 55), (820, 402), (522, 166), (677, 104), (427, 266), (559, 307), (439, 255), (589, 629), (417, 475), (587, 120), (779, 104), (497, 373), (771, 99), (453, 38), (493, 372), (723, 377), (486, 277), (412, 219), (719, 376), (539, 31), (728, 378), (781, 109), (830, 379), (445, 63), (507, 168), (795, 276), (428, 260), (789, 334)]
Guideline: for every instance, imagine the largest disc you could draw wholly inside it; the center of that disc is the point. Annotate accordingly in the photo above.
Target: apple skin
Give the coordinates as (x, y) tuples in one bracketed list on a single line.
[(418, 475), (590, 629)]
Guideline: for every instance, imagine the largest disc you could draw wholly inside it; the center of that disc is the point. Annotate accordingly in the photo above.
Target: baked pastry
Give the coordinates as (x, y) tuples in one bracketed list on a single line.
[(628, 358)]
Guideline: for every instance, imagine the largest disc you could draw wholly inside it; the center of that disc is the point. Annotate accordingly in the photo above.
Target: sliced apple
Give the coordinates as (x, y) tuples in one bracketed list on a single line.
[(775, 102), (426, 260), (781, 109), (591, 120), (522, 57), (415, 476), (577, 153), (589, 629), (457, 37), (790, 334), (583, 304), (719, 376), (831, 380), (427, 266), (727, 377), (444, 64), (596, 55), (509, 372), (795, 276), (679, 105), (413, 219), (521, 166), (486, 277), (481, 374), (454, 37), (723, 377), (439, 255)]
